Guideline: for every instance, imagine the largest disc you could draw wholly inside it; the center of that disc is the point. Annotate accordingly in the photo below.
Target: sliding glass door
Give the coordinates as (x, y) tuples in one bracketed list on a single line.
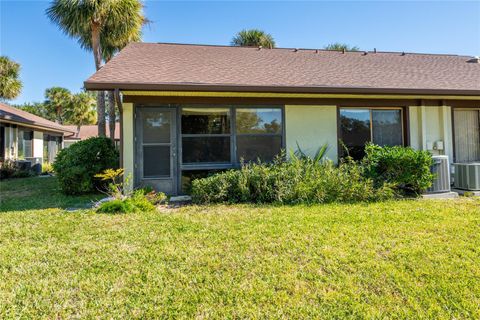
[(467, 135)]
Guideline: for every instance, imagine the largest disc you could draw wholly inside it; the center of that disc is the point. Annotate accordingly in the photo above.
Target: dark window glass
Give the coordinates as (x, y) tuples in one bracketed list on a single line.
[(205, 121), (205, 149), (387, 127), (156, 161), (252, 148), (156, 126), (189, 175), (259, 120), (355, 131)]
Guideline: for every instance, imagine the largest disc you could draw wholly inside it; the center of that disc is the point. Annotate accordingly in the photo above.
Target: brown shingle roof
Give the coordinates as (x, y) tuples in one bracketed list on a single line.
[(149, 66), (11, 114), (89, 131)]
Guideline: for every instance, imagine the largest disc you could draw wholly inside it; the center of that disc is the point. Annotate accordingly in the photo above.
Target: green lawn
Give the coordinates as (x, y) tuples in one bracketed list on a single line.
[(39, 193), (409, 259)]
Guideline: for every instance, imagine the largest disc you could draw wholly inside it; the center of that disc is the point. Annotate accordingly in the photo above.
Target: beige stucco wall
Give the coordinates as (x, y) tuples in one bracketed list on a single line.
[(38, 144), (128, 141), (428, 126), (311, 126)]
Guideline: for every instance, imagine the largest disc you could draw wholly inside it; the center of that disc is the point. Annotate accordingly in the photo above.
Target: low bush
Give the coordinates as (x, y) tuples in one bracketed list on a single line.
[(125, 200), (138, 201), (9, 170), (301, 180), (406, 169), (141, 202), (116, 206), (77, 165), (47, 168)]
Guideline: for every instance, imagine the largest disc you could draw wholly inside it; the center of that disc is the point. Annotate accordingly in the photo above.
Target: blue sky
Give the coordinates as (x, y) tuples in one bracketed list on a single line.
[(49, 58)]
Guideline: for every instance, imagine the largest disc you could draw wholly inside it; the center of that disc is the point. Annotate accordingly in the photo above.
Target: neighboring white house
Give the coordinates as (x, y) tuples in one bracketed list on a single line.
[(26, 136)]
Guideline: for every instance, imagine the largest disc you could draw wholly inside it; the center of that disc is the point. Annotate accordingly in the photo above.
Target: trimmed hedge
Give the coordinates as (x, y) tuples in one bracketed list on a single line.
[(406, 169), (77, 165)]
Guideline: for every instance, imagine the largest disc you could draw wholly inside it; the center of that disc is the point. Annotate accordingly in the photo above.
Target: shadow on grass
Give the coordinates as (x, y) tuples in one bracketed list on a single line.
[(40, 193)]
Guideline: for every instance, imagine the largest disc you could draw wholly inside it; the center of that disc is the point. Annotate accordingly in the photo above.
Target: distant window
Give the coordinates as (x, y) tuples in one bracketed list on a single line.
[(51, 146), (360, 126), (25, 143)]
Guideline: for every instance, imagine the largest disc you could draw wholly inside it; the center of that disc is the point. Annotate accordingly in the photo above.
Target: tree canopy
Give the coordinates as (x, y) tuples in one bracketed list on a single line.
[(253, 38), (62, 106), (10, 84), (100, 26), (337, 46)]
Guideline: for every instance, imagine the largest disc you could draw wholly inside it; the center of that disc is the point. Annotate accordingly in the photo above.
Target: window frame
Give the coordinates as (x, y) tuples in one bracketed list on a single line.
[(21, 141), (234, 161), (203, 135), (403, 121), (453, 109), (264, 134)]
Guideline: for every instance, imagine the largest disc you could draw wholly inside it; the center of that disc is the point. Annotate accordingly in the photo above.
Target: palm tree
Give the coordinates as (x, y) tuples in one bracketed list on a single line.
[(10, 85), (95, 23), (57, 99), (114, 42), (81, 110), (337, 46), (253, 38)]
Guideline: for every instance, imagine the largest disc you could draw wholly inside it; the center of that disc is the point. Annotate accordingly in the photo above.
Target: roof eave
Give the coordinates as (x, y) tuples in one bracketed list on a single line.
[(94, 85), (35, 125)]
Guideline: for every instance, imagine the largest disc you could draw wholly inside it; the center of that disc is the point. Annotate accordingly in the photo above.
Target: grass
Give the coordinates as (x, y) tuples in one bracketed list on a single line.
[(39, 193), (408, 259)]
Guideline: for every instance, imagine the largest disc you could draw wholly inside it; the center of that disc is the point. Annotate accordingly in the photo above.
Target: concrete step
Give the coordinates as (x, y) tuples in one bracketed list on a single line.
[(440, 195)]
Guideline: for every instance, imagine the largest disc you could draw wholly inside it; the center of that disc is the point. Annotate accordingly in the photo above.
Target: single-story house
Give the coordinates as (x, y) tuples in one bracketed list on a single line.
[(191, 109), (88, 131), (26, 136)]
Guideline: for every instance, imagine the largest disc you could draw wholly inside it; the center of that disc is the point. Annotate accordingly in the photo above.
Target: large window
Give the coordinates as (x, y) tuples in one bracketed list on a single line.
[(259, 133), (220, 137), (208, 138), (360, 126), (206, 135)]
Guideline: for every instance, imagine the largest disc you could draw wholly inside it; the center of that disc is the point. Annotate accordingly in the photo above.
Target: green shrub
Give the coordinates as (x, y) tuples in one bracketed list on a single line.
[(141, 202), (77, 165), (137, 201), (406, 169), (300, 180), (117, 206)]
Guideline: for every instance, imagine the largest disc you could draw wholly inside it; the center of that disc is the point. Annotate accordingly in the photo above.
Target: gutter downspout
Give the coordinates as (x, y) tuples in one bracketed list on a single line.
[(120, 111)]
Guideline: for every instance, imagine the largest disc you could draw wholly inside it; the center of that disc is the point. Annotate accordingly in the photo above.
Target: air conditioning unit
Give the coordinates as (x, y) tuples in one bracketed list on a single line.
[(467, 176), (36, 164), (441, 169)]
